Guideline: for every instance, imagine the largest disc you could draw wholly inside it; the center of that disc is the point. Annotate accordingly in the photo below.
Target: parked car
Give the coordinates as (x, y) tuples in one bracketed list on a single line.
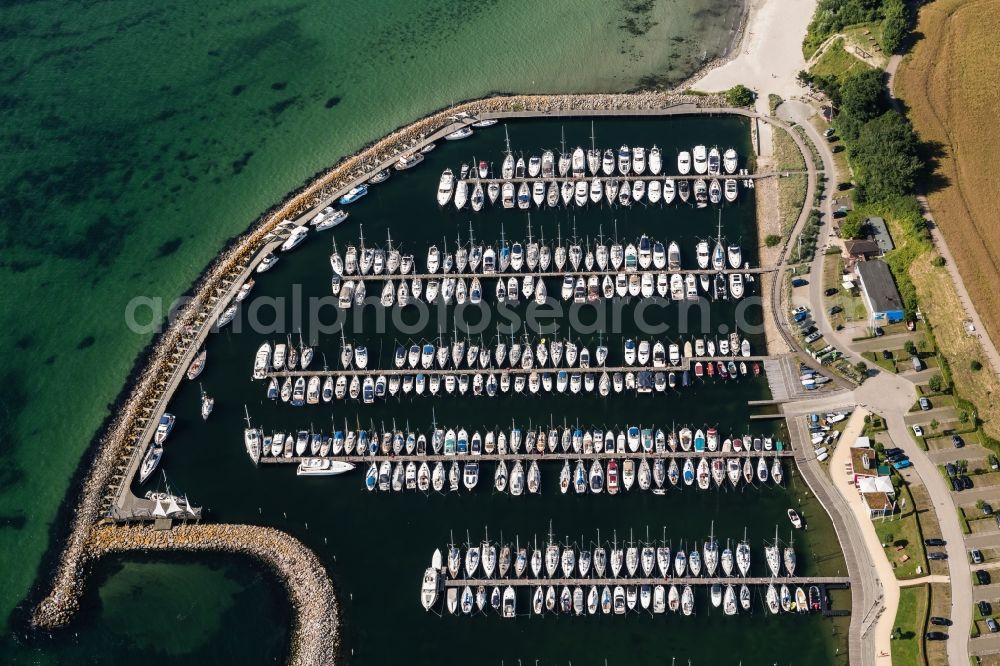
[(956, 484), (835, 309), (996, 517), (957, 441), (893, 451), (902, 464), (936, 636), (918, 431), (985, 608), (878, 331), (897, 457), (987, 509), (918, 365), (940, 621), (951, 469), (992, 625), (935, 542), (966, 482), (983, 577), (813, 337), (886, 355), (799, 282), (828, 133), (977, 556), (994, 463), (832, 291), (937, 555), (925, 404)]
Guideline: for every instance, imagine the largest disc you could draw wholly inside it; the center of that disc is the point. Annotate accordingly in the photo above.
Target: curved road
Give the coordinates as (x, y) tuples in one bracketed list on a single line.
[(892, 396)]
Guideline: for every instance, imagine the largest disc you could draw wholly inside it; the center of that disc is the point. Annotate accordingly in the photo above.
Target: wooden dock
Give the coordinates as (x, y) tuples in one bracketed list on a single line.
[(354, 372), (630, 178), (678, 580), (557, 456), (575, 273)]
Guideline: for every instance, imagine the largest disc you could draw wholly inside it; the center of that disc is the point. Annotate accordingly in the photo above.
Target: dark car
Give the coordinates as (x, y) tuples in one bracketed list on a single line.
[(799, 282), (886, 355), (957, 441), (987, 509), (936, 636), (937, 555), (983, 578), (956, 484), (879, 332), (941, 621), (831, 291), (977, 556), (966, 482), (997, 518), (893, 450), (951, 469), (992, 625), (835, 309), (934, 542), (896, 458), (985, 609)]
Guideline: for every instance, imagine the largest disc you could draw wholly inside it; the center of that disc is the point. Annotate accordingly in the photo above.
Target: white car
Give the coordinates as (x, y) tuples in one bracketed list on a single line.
[(918, 431)]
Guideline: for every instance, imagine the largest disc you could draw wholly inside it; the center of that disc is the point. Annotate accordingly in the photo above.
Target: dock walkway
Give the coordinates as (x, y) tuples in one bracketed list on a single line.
[(532, 455), (513, 371), (575, 273), (631, 177), (678, 580)]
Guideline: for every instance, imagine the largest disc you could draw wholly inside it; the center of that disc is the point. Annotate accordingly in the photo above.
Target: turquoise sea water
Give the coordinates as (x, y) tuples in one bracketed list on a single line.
[(139, 137)]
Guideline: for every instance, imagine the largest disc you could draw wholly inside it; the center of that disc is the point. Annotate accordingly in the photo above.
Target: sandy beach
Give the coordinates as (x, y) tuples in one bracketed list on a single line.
[(770, 52)]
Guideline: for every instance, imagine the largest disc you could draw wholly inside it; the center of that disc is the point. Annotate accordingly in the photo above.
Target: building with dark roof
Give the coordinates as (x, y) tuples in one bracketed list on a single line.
[(879, 292), (879, 233), (863, 248)]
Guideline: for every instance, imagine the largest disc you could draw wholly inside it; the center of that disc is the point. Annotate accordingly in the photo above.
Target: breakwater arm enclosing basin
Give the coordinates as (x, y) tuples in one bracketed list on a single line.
[(314, 635)]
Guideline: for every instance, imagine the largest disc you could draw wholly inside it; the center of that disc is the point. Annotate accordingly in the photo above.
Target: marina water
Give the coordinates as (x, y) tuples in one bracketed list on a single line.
[(138, 142)]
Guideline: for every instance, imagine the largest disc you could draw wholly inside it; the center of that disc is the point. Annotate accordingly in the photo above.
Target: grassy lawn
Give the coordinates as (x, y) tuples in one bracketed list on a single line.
[(838, 62), (929, 526), (964, 522), (853, 306), (870, 42), (888, 365), (901, 538), (908, 629), (791, 190), (937, 651)]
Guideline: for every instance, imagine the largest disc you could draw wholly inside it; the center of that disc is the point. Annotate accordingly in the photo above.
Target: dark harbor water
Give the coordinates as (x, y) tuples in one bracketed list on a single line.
[(139, 137), (376, 545)]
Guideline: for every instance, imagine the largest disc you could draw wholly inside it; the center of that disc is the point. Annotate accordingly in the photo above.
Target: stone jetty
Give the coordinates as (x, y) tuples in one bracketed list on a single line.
[(91, 530), (315, 638)]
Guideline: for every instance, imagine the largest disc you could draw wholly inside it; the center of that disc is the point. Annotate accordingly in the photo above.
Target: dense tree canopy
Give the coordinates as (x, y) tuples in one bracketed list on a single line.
[(833, 15), (895, 25), (852, 226), (740, 95), (884, 157), (862, 98)]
